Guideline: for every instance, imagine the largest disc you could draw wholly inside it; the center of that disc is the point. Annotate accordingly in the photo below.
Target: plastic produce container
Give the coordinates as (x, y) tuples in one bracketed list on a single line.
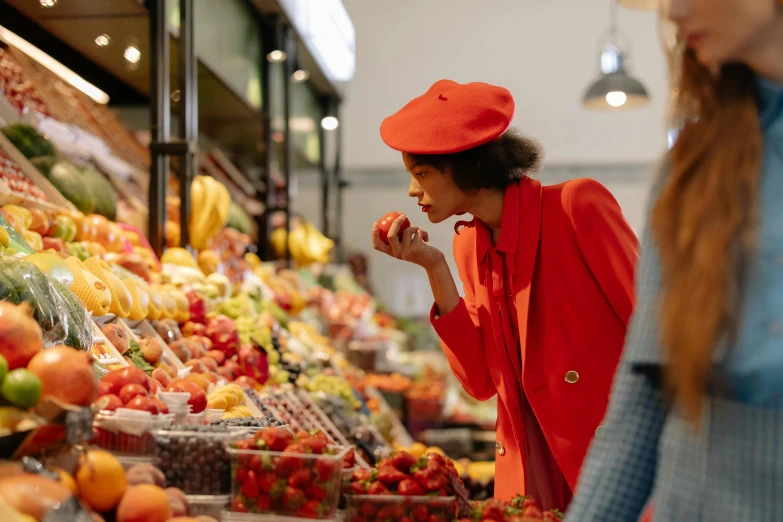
[(195, 462), (255, 474), (128, 432), (209, 505), (370, 508)]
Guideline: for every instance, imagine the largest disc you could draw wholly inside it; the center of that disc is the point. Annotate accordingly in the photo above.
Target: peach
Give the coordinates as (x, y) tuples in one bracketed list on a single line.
[(117, 336), (144, 503), (210, 363)]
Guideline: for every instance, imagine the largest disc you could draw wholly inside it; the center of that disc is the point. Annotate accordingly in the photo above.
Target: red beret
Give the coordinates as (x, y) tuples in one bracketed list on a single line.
[(450, 117)]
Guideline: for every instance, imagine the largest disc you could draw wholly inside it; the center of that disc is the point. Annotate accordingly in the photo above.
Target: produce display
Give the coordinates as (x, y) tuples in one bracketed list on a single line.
[(204, 383)]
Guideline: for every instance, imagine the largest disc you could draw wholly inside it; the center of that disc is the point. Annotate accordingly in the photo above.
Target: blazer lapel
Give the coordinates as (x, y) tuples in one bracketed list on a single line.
[(530, 209)]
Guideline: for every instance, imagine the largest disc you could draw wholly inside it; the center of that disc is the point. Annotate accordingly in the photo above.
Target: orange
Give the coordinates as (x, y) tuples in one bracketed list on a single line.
[(101, 479), (199, 379), (67, 480)]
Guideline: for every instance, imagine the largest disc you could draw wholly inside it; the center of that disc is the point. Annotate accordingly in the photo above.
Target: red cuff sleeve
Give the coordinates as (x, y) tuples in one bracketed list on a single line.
[(464, 350)]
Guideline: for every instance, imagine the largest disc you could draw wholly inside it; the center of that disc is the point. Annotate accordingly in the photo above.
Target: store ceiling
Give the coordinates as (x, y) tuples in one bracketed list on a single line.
[(224, 114)]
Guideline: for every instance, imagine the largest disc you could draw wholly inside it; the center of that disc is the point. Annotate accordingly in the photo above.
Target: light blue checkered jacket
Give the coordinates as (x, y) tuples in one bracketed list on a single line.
[(730, 471)]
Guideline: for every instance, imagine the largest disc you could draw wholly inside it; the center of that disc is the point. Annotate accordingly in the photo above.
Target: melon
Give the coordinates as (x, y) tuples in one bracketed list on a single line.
[(71, 183)]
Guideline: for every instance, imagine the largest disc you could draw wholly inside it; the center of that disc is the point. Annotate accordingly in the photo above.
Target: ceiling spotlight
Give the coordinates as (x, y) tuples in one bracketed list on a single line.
[(300, 76), (615, 88), (48, 3), (132, 54), (102, 40), (330, 123), (276, 56)]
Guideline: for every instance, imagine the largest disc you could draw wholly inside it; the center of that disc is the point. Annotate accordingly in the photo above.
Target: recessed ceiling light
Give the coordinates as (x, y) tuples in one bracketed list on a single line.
[(48, 3), (132, 54), (330, 123), (300, 76), (102, 40), (276, 56)]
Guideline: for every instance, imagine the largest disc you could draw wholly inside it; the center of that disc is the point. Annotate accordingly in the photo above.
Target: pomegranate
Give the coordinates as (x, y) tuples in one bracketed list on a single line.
[(198, 307), (224, 334), (254, 363), (20, 336), (66, 374)]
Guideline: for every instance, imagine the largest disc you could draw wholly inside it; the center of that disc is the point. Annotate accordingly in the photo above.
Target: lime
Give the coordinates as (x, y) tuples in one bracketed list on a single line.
[(22, 388), (3, 368)]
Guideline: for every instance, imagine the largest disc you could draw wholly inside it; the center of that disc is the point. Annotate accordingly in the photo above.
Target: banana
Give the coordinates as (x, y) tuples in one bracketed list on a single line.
[(203, 212)]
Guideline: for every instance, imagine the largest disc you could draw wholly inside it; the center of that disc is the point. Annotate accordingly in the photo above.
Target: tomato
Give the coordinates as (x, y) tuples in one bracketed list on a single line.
[(129, 391), (385, 224), (117, 379), (198, 397)]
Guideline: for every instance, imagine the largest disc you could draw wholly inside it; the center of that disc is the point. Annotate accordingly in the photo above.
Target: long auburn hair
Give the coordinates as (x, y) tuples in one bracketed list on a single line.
[(705, 219)]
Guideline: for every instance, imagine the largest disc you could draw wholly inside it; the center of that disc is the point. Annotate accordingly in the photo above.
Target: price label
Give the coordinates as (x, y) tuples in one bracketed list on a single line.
[(78, 426)]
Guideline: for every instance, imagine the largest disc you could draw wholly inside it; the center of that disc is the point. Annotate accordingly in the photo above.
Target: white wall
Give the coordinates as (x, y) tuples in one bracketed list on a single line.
[(544, 51)]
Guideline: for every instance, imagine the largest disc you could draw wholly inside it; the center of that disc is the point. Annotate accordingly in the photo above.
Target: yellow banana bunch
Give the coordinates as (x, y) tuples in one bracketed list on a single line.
[(210, 204), (226, 397), (306, 243)]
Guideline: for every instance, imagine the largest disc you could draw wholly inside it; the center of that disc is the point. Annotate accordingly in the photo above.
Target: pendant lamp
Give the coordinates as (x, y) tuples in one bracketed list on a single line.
[(648, 5), (615, 88)]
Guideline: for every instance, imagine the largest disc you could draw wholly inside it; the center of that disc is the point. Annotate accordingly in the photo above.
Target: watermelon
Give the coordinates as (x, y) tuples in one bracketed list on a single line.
[(44, 164), (239, 219), (28, 141), (103, 193), (72, 184)]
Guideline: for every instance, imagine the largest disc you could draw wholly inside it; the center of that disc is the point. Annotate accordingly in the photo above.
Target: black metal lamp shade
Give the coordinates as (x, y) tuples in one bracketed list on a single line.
[(616, 91)]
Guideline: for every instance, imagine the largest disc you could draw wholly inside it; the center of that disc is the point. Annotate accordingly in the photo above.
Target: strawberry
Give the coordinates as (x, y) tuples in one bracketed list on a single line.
[(293, 498), (406, 519), (315, 445), (299, 436), (421, 513), (299, 478), (238, 506), (554, 515), (244, 444), (410, 488), (403, 461), (435, 460), (276, 439), (390, 511), (377, 488), (250, 486), (325, 469), (349, 460), (367, 510), (361, 475), (264, 503), (254, 463), (431, 479), (311, 509), (241, 475), (279, 488), (285, 465), (493, 509), (357, 488), (437, 518), (315, 492), (390, 476), (266, 480), (533, 511)]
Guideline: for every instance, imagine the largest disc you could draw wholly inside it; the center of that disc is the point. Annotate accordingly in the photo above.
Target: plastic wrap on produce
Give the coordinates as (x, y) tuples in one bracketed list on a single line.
[(61, 315)]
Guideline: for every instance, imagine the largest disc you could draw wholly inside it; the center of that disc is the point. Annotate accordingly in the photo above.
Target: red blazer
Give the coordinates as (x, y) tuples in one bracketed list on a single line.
[(573, 291)]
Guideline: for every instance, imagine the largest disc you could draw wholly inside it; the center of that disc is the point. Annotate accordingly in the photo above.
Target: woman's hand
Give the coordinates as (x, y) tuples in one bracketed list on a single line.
[(412, 248)]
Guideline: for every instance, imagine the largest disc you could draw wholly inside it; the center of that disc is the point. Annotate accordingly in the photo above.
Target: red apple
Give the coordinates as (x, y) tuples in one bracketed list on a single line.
[(142, 403), (129, 391)]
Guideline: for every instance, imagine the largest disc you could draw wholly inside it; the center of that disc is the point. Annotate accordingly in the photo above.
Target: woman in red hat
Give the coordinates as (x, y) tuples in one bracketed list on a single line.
[(547, 273)]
